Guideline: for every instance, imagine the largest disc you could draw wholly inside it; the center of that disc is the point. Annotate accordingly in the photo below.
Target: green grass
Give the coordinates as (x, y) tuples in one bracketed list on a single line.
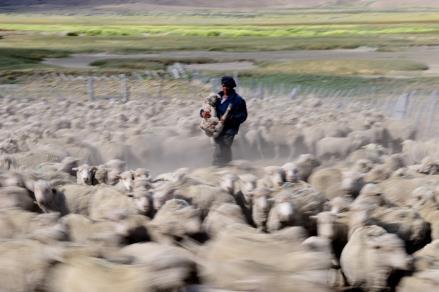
[(339, 67), (148, 64), (25, 40), (13, 59)]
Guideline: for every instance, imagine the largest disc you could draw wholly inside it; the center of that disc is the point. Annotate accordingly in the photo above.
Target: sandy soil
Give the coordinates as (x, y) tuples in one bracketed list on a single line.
[(426, 55)]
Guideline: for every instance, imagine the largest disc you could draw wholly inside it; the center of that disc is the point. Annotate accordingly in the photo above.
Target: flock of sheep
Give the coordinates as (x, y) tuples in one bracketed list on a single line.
[(86, 204)]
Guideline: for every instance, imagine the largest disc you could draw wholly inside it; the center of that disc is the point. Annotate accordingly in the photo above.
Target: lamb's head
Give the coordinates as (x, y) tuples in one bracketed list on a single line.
[(284, 207), (325, 224), (261, 199), (352, 182), (44, 194), (212, 98), (143, 201), (362, 165), (292, 173), (340, 204), (142, 173), (275, 175), (68, 164), (127, 179), (101, 175), (387, 250), (85, 174), (228, 183), (180, 174), (248, 184), (423, 196), (306, 164)]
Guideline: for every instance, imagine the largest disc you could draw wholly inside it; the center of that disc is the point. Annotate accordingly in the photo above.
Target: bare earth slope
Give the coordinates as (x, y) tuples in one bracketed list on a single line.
[(164, 4)]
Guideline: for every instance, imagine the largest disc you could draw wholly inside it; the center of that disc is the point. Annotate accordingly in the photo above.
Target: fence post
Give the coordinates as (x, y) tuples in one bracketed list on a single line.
[(433, 105), (125, 90), (90, 88)]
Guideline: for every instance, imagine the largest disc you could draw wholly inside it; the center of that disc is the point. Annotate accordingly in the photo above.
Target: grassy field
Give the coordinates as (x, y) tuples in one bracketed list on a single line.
[(26, 39)]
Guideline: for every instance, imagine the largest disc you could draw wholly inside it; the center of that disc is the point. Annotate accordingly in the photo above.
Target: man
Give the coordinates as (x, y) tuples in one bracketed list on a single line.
[(223, 143)]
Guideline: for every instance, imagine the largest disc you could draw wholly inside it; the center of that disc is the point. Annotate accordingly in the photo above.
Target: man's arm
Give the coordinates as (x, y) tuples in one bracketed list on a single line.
[(240, 115)]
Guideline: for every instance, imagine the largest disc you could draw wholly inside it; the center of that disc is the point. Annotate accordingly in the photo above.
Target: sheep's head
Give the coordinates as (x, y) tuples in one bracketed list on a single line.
[(276, 175), (101, 175), (325, 224), (68, 164), (127, 179), (352, 182), (292, 173), (362, 165), (261, 199), (85, 174), (180, 174), (212, 98), (340, 204), (142, 173), (248, 184), (422, 196), (228, 182), (284, 206), (143, 201), (44, 194)]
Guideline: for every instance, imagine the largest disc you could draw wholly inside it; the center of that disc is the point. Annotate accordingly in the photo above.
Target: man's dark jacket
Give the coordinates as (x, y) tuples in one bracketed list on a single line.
[(238, 114)]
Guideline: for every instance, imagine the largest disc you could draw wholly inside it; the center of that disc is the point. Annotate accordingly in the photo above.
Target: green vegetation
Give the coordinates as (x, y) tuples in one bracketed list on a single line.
[(149, 64), (339, 67), (25, 40), (13, 59)]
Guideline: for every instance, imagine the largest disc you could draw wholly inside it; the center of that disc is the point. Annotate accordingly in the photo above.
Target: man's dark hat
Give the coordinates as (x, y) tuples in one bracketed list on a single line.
[(228, 81)]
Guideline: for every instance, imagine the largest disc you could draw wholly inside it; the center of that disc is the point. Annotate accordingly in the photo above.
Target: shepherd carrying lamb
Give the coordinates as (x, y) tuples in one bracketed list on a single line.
[(222, 114)]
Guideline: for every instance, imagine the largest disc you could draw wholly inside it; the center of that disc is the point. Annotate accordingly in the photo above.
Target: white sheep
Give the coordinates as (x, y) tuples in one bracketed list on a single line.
[(213, 126)]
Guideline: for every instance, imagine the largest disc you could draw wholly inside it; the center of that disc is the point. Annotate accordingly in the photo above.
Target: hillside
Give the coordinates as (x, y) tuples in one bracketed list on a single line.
[(139, 5)]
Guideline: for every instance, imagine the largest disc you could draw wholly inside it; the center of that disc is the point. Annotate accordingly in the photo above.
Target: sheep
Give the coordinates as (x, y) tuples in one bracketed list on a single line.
[(273, 179), (19, 224), (204, 197), (282, 212), (427, 257), (24, 265), (17, 197), (333, 182), (370, 256), (176, 219), (222, 216), (213, 126), (429, 166), (83, 230), (406, 223), (340, 204), (422, 281), (261, 208), (242, 259), (85, 174), (336, 147), (334, 229), (100, 203), (306, 164)]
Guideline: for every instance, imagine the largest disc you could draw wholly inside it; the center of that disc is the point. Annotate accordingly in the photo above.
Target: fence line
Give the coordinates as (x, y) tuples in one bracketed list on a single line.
[(419, 106)]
